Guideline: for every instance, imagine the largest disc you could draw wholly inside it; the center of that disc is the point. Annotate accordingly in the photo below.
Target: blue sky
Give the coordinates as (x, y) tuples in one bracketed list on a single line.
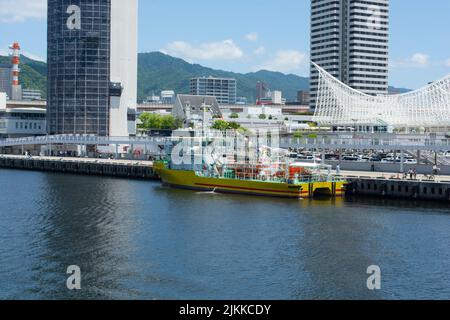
[(248, 35)]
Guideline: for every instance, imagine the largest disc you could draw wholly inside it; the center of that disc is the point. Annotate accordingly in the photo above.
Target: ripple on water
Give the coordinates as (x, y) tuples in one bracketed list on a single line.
[(137, 240)]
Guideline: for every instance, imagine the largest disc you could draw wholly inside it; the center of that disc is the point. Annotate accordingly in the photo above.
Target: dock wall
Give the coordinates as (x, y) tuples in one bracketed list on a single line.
[(134, 170), (396, 188)]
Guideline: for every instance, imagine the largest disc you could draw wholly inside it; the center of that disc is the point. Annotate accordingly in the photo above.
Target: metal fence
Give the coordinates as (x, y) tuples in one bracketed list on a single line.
[(401, 143)]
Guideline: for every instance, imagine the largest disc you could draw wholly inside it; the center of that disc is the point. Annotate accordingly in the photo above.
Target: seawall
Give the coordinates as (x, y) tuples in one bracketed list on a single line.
[(112, 168), (398, 188)]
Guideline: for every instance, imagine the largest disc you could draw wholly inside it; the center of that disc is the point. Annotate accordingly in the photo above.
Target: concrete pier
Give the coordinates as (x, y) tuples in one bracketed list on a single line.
[(87, 166), (382, 187)]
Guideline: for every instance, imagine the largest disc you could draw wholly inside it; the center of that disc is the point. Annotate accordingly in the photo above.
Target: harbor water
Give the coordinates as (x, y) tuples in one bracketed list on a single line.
[(139, 240)]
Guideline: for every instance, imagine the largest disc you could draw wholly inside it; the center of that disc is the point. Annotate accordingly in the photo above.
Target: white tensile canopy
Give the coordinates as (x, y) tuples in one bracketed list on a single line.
[(339, 105)]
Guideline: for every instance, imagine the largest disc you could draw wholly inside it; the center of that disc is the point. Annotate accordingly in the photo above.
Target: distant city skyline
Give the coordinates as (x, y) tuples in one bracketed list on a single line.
[(272, 36)]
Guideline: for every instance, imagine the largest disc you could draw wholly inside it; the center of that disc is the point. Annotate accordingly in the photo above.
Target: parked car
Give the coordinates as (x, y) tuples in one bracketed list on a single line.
[(375, 158)]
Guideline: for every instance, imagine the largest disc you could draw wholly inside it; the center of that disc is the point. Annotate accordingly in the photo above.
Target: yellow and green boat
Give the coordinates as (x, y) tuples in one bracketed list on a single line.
[(295, 180)]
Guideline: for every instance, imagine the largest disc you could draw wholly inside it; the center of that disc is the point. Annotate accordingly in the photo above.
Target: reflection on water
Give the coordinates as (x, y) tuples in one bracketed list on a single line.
[(137, 240)]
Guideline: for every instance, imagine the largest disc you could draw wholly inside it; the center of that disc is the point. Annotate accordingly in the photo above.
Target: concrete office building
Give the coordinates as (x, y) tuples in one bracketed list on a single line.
[(5, 79), (20, 122), (31, 94), (92, 67), (350, 40), (303, 97), (223, 89)]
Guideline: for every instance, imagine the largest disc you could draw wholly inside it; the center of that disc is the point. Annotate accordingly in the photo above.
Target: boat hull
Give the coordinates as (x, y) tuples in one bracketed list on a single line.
[(189, 180)]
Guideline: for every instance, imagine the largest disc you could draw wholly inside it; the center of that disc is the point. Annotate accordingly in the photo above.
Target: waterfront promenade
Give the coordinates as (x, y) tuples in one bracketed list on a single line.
[(82, 160), (390, 175)]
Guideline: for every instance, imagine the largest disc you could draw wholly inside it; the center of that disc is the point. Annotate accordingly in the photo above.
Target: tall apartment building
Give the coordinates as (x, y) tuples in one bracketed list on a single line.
[(92, 67), (350, 40), (261, 91), (224, 89), (303, 97)]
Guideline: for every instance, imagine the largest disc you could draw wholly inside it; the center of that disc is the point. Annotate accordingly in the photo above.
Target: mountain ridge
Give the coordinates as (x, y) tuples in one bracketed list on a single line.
[(158, 71)]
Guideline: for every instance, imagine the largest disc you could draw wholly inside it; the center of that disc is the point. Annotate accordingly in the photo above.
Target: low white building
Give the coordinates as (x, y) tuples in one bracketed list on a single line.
[(167, 96), (22, 122), (196, 111), (2, 100), (256, 111), (273, 98), (31, 95)]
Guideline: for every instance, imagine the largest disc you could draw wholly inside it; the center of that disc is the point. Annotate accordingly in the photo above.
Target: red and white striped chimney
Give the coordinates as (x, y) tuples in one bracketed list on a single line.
[(15, 47)]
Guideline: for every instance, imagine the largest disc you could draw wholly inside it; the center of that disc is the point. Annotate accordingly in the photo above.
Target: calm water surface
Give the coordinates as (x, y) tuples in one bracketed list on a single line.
[(137, 240)]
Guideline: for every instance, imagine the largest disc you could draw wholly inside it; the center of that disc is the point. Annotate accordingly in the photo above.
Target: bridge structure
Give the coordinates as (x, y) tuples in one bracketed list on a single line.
[(399, 143), (81, 140)]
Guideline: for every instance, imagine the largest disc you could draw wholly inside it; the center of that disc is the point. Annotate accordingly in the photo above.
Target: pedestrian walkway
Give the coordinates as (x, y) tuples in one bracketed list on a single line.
[(389, 175), (83, 160)]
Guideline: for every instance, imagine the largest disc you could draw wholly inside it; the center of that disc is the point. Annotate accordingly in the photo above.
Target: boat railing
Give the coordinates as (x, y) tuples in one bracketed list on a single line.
[(314, 178)]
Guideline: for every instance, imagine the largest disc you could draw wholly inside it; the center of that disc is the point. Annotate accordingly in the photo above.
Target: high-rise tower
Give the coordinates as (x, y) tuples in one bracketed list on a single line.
[(350, 40), (92, 67)]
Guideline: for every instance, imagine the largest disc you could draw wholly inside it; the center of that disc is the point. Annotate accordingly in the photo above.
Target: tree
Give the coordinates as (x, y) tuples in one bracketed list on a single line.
[(234, 125), (234, 115), (221, 125), (298, 135), (224, 125), (262, 117), (152, 121)]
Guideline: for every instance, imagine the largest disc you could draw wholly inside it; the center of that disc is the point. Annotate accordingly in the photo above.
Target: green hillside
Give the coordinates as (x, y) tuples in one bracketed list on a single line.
[(158, 72), (33, 73)]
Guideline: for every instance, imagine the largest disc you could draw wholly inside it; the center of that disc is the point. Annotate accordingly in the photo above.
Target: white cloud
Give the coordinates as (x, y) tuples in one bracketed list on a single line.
[(259, 51), (33, 56), (223, 50), (252, 36), (447, 63), (286, 61), (417, 60), (6, 52), (13, 11)]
